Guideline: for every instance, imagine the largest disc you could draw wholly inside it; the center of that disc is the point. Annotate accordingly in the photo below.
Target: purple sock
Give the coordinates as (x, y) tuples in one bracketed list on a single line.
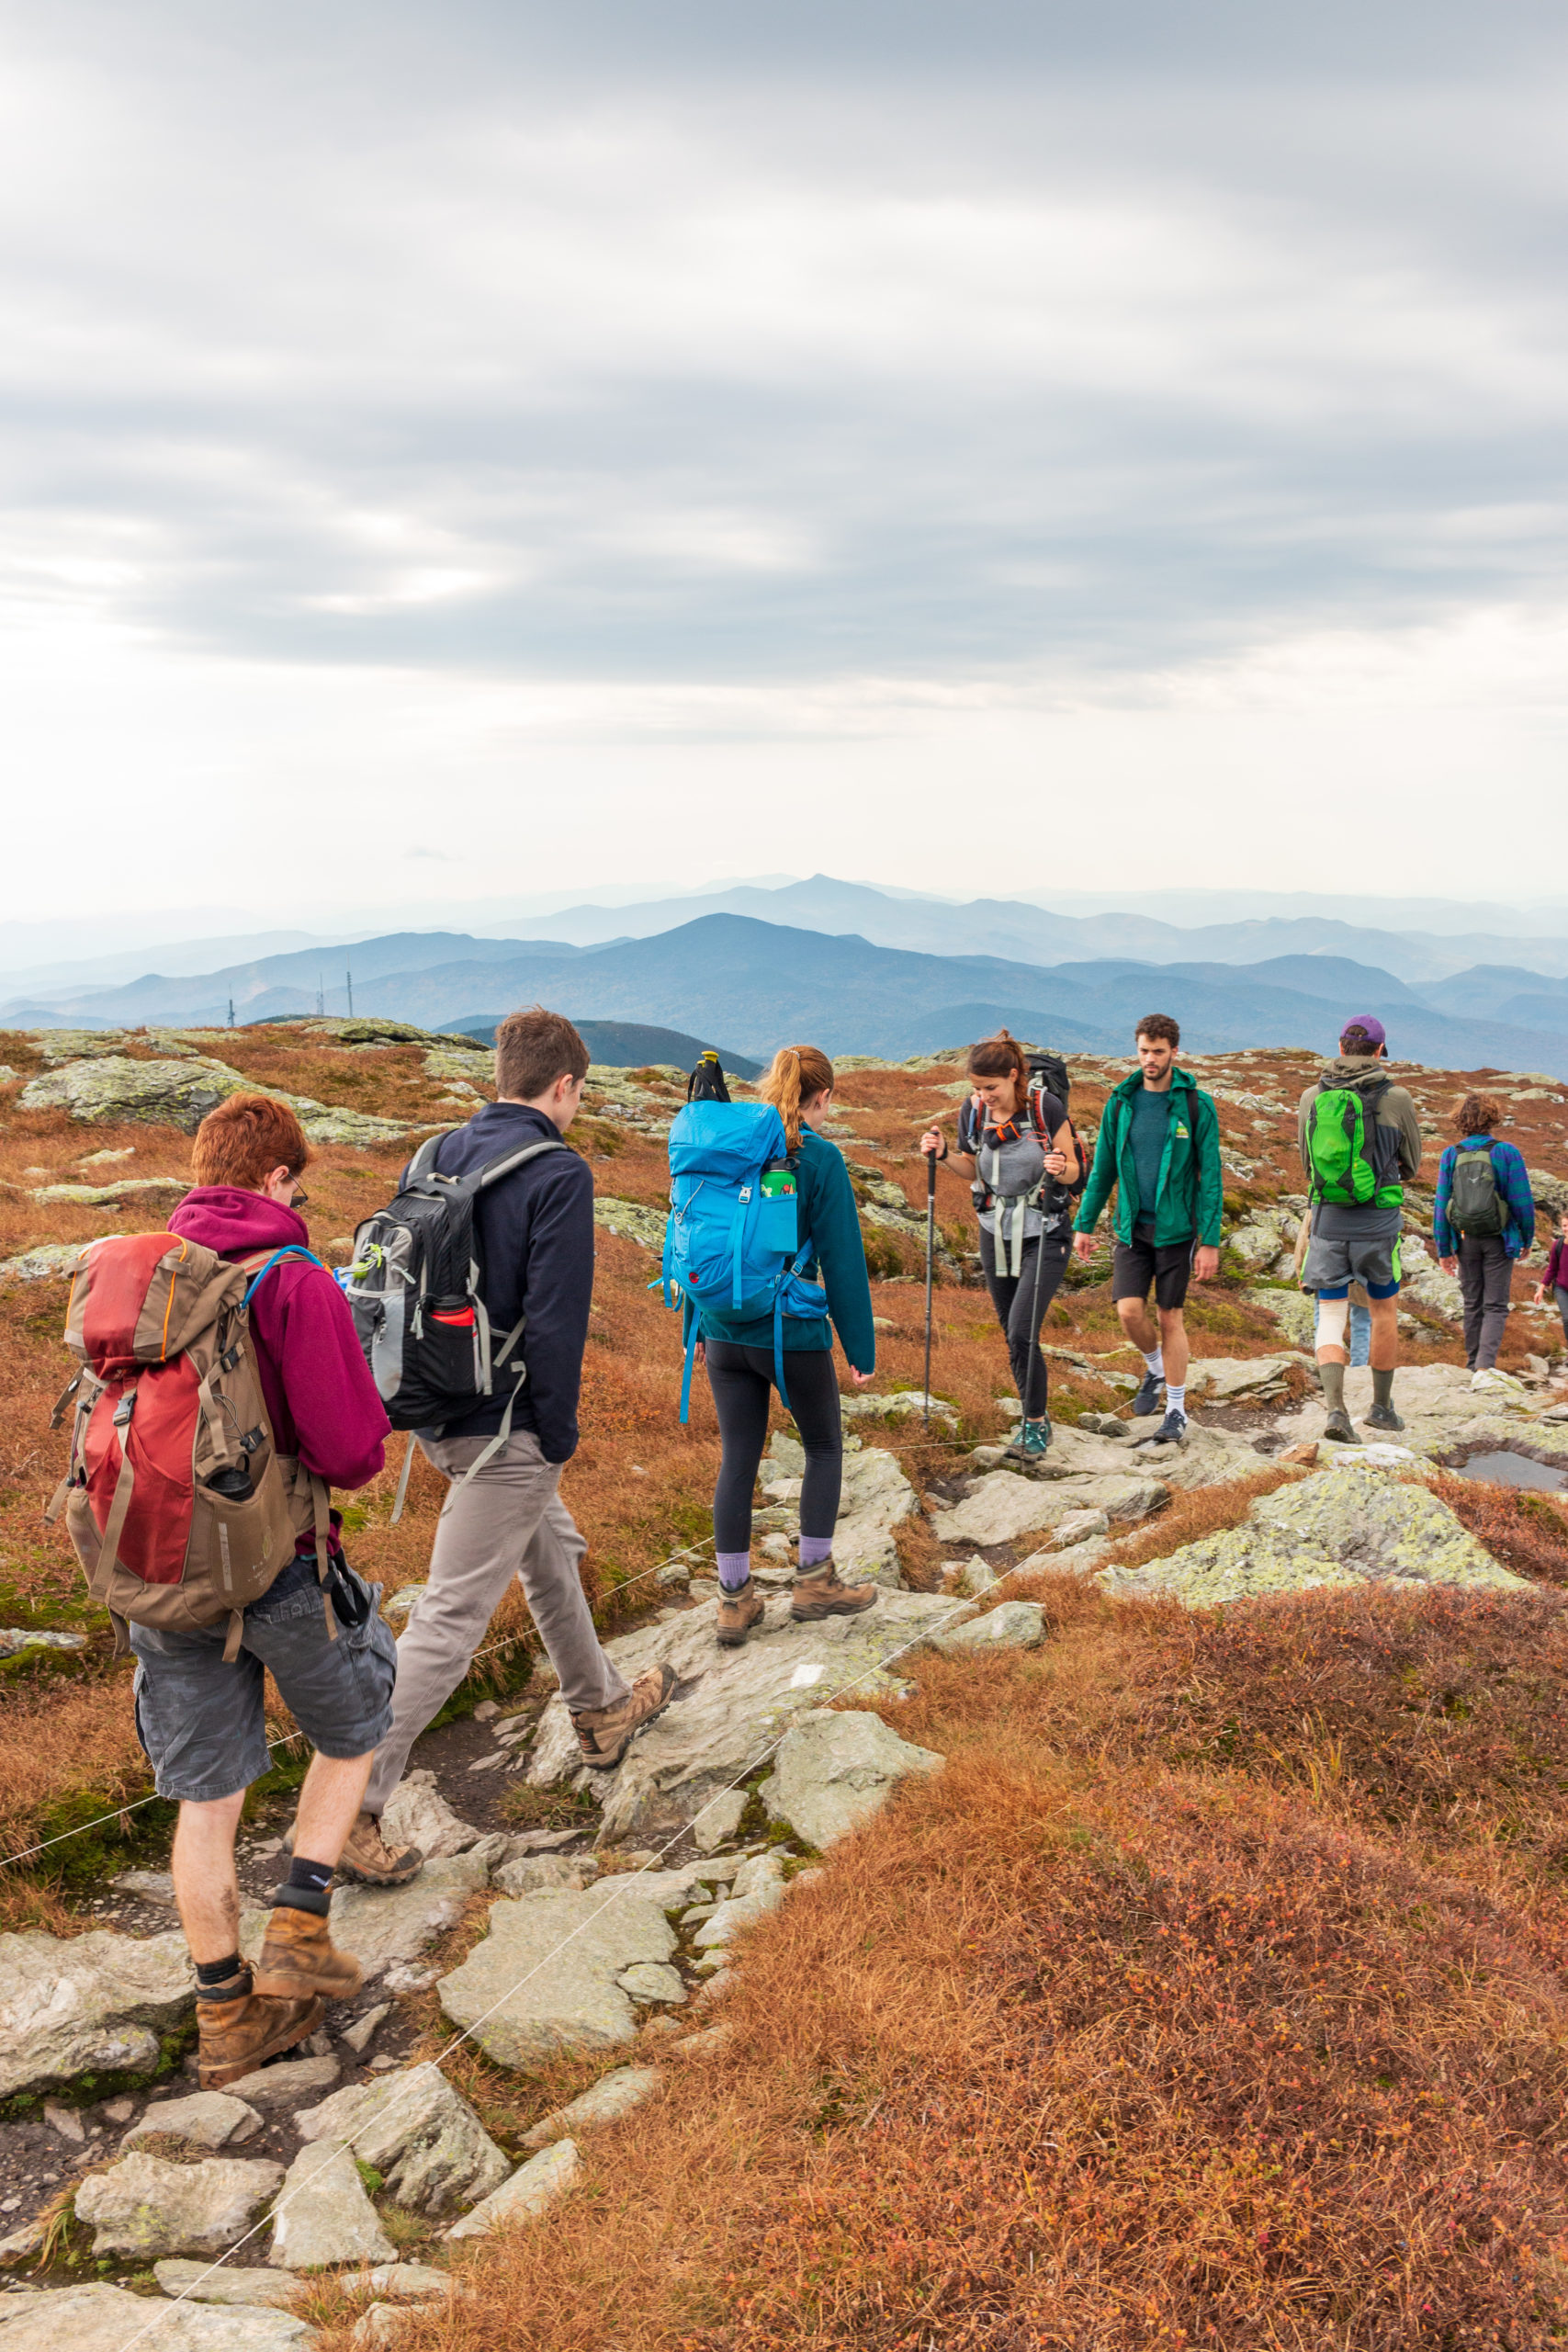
[(815, 1549), (734, 1569)]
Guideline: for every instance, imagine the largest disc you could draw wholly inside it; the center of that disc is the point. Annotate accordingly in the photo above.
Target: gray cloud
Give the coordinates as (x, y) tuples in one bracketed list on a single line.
[(678, 343)]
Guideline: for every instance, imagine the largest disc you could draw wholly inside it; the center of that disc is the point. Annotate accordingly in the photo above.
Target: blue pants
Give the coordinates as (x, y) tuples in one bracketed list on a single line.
[(1361, 1330)]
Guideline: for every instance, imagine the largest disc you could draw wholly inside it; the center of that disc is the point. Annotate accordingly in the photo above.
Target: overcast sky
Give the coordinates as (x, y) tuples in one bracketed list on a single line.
[(462, 449)]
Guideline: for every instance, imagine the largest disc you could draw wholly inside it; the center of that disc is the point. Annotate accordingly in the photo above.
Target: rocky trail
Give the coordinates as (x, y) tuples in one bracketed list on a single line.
[(582, 1931)]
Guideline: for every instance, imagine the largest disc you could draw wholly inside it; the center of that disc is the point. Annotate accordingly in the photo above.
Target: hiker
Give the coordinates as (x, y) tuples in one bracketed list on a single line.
[(201, 1716), (1012, 1140), (743, 1368), (1159, 1146), (534, 1227), (1360, 1139), (1554, 1282), (1482, 1220)]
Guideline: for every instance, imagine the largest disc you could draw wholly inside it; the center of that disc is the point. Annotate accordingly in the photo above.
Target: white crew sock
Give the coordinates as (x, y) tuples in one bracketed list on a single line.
[(1175, 1398), (1156, 1363)]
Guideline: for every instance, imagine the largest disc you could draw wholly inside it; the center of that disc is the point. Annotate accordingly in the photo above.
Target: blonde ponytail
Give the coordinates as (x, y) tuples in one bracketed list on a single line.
[(799, 1074)]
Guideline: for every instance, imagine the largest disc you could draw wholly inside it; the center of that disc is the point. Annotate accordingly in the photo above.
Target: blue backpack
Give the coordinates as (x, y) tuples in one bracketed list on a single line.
[(727, 1244)]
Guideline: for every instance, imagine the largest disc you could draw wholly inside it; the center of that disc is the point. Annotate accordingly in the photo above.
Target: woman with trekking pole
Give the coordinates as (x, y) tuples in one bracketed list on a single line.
[(740, 1366), (1022, 1151)]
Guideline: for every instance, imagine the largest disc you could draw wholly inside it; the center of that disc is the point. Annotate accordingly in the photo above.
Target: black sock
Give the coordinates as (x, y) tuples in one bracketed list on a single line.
[(314, 1878), (221, 1978)]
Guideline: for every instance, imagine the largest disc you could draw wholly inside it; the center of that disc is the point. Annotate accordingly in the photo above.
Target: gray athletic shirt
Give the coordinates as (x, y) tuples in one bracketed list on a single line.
[(1016, 1167)]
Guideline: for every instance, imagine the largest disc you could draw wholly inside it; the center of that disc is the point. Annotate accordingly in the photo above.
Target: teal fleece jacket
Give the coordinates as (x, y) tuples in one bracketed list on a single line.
[(1191, 1196), (829, 1215)]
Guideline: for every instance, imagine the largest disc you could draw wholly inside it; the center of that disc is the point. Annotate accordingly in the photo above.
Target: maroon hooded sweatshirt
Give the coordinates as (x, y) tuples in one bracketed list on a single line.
[(321, 1399)]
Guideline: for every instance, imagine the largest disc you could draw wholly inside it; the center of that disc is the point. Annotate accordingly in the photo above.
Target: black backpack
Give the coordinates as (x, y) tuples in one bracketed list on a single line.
[(415, 1291)]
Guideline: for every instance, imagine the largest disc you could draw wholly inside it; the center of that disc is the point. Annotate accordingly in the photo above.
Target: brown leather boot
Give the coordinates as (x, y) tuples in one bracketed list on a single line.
[(819, 1593), (238, 2036), (366, 1859), (299, 1958), (737, 1612), (604, 1734)]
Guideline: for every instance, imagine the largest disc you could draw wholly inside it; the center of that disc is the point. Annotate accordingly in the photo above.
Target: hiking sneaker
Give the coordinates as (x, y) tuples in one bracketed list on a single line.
[(1383, 1417), (1337, 1427), (1172, 1431), (604, 1734), (1033, 1439), (239, 2035), (368, 1860), (1145, 1404), (298, 1958), (737, 1612), (819, 1593)]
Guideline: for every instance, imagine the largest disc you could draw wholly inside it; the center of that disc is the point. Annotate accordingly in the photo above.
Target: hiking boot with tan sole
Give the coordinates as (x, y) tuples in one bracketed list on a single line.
[(238, 2036), (604, 1734), (737, 1612), (819, 1593), (368, 1860), (299, 1958)]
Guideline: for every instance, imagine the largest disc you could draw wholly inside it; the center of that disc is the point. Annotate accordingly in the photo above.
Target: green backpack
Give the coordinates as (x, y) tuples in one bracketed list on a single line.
[(1338, 1128)]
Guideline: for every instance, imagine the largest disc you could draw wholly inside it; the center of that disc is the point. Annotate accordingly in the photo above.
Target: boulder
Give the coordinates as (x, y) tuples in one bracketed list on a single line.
[(87, 2003), (532, 2188), (323, 2214), (834, 1770), (273, 2289), (653, 1981), (418, 2133), (51, 1261), (418, 1815), (15, 1639), (530, 1873), (545, 1981), (614, 2095), (1010, 1625), (731, 1704), (875, 1499), (112, 1089), (207, 2119), (1443, 1415), (271, 2088), (107, 2319), (1294, 1311), (1357, 1522), (1227, 1380), (632, 1221), (143, 2205), (759, 1888), (1002, 1506)]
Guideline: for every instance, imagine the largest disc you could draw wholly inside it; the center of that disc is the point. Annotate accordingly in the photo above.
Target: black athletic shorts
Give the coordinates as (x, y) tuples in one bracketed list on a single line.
[(1135, 1264)]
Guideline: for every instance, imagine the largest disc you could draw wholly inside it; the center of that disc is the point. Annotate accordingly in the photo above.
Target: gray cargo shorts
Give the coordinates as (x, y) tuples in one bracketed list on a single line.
[(203, 1724), (1332, 1266)]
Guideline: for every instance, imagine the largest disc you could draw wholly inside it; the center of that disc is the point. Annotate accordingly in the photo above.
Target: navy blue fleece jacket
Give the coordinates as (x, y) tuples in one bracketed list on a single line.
[(535, 1233)]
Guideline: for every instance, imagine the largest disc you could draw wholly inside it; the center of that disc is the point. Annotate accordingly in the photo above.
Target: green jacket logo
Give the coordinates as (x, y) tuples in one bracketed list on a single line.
[(1181, 1133)]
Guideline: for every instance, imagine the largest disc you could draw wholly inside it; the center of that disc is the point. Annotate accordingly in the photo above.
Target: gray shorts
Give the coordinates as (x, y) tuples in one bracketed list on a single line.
[(203, 1724), (1332, 1265)]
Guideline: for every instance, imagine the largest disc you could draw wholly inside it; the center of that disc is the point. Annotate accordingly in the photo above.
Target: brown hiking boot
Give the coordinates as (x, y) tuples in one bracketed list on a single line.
[(368, 1860), (819, 1593), (737, 1612), (298, 1958), (238, 2036), (604, 1734)]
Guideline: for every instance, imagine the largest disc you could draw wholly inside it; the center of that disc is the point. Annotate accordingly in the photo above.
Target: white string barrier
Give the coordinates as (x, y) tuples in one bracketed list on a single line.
[(618, 1886)]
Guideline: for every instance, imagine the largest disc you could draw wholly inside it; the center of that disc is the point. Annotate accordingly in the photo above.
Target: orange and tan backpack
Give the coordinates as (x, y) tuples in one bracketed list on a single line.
[(179, 1505)]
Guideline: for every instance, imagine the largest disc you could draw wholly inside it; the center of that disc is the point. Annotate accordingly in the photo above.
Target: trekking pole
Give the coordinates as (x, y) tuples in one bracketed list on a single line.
[(930, 1254), (1047, 1201)]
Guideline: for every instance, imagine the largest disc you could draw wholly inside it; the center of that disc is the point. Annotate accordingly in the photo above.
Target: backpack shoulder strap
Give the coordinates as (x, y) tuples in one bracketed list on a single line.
[(423, 1161), (494, 1169)]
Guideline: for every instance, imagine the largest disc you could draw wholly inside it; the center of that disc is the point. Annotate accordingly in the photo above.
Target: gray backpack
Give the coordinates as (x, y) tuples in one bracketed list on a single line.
[(1475, 1205)]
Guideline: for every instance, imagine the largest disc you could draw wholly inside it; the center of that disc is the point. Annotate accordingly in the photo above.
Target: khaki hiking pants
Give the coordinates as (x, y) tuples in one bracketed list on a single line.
[(507, 1521)]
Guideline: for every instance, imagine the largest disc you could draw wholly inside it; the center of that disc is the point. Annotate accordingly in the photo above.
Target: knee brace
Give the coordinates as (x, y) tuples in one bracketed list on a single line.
[(1333, 1315)]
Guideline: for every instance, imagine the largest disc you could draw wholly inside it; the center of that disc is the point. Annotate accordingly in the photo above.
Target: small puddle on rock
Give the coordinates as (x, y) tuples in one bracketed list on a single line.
[(1508, 1469)]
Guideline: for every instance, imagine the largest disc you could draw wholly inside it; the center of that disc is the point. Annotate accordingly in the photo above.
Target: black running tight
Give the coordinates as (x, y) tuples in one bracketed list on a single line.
[(1021, 1305), (742, 1384)]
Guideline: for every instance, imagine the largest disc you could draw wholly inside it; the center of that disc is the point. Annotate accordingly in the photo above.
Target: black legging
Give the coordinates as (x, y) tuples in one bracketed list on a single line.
[(1021, 1309), (742, 1384)]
